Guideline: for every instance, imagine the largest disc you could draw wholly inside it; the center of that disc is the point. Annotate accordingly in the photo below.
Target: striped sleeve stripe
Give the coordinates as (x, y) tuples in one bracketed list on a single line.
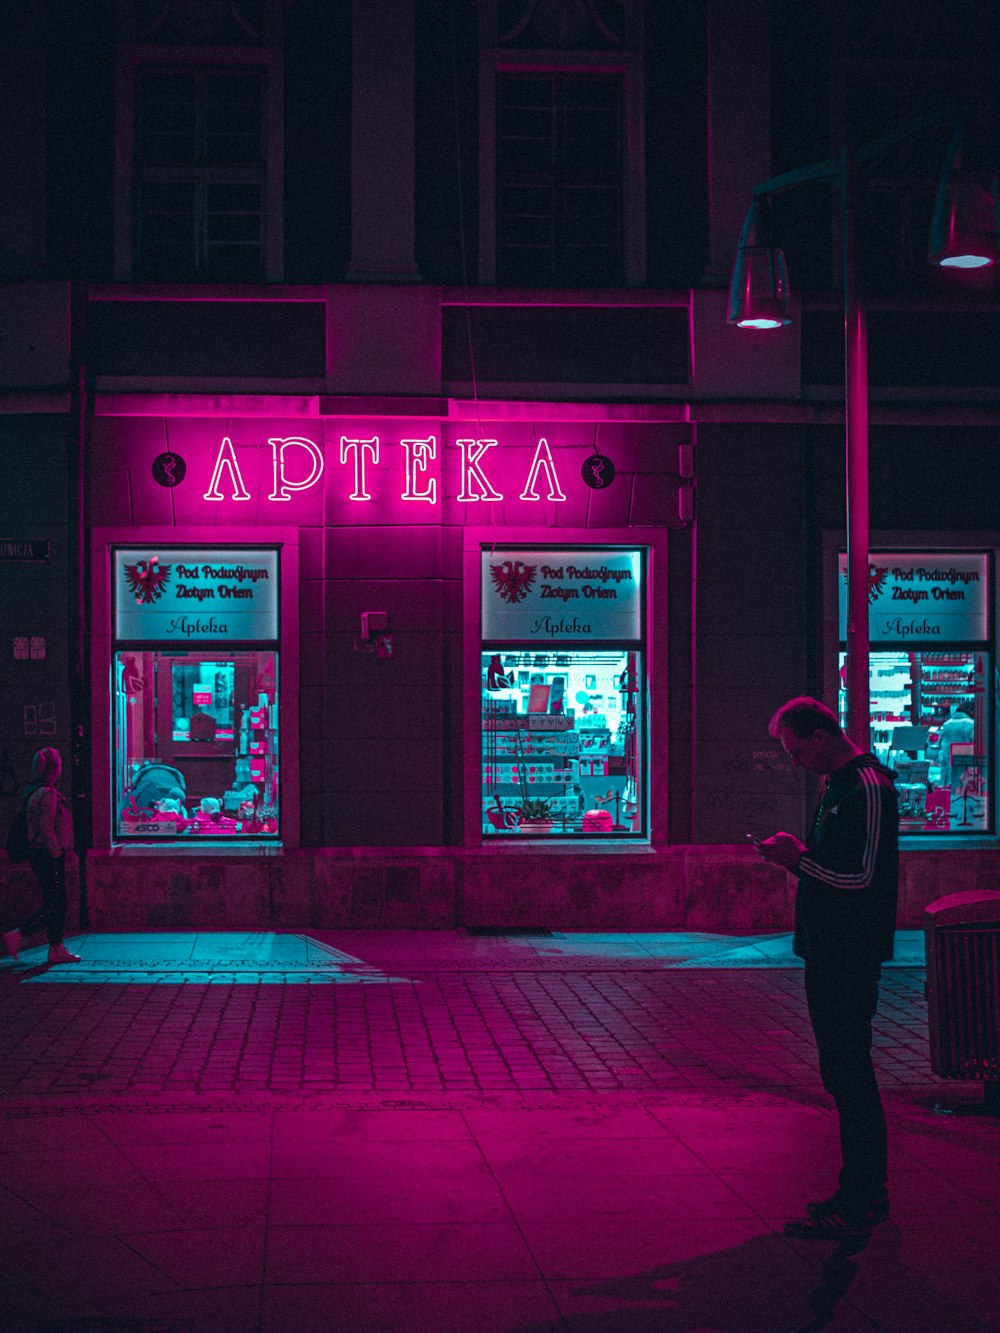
[(873, 819)]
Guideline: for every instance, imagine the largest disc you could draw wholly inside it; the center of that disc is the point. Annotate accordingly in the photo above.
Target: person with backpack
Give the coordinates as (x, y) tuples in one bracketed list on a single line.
[(49, 838)]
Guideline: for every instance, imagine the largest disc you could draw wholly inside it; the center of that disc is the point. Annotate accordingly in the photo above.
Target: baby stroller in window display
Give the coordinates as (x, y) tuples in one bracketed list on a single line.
[(157, 801)]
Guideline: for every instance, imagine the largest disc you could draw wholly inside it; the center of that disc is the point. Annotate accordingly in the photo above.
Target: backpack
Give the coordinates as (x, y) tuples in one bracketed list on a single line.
[(17, 844)]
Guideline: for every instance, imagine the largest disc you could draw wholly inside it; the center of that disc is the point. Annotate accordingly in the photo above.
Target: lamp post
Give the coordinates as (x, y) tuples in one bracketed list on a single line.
[(856, 467), (964, 235)]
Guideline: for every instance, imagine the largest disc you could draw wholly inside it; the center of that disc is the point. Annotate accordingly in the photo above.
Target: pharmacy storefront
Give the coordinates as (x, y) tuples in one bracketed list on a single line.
[(319, 645)]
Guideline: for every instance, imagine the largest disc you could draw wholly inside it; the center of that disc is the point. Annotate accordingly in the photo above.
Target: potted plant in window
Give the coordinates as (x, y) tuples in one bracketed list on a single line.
[(536, 815)]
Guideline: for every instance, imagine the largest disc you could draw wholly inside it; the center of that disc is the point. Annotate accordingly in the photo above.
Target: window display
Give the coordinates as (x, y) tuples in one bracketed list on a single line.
[(931, 706), (196, 744), (563, 693), (929, 714), (561, 740), (195, 693)]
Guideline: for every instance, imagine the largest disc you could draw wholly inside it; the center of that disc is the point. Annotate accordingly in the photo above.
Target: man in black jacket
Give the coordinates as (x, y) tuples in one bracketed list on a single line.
[(845, 918)]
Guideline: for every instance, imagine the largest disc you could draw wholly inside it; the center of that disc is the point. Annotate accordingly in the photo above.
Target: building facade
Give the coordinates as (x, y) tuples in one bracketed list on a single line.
[(340, 336)]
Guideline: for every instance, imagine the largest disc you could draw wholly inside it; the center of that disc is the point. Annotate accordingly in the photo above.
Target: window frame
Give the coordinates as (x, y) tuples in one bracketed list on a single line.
[(935, 544), (654, 647), (628, 65), (104, 645), (195, 830), (561, 190), (133, 58)]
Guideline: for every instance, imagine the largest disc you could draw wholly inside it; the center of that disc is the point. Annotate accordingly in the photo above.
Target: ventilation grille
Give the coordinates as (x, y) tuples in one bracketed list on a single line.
[(500, 931), (963, 1002)]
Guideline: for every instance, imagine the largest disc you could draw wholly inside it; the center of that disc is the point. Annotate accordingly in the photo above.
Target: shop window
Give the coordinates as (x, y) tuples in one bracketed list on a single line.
[(931, 707), (563, 720), (930, 723), (195, 694), (197, 744)]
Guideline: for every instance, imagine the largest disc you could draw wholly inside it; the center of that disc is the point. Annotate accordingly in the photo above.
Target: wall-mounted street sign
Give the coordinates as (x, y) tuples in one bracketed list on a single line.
[(17, 549)]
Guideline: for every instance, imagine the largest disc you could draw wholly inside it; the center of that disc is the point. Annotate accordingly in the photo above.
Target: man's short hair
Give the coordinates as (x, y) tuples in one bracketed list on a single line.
[(802, 716)]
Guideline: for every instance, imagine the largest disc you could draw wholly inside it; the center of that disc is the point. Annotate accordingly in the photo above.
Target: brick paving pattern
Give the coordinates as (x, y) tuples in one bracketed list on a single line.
[(555, 1030), (424, 1133)]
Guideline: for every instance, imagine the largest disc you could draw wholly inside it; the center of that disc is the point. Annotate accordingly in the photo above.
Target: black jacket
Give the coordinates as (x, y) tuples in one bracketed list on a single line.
[(845, 908)]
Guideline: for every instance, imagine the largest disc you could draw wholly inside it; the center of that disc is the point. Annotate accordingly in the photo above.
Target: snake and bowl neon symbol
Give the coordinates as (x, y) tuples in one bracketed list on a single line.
[(169, 469), (598, 472)]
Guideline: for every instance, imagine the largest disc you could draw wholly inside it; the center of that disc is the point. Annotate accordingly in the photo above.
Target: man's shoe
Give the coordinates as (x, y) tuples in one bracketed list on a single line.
[(877, 1205), (837, 1222), (12, 943), (58, 953)]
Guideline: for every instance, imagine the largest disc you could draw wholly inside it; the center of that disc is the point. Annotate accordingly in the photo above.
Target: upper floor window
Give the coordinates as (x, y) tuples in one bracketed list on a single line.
[(199, 164), (562, 161), (559, 179), (200, 174)]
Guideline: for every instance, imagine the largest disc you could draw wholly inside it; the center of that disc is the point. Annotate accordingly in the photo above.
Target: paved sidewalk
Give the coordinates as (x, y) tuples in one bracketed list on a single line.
[(260, 1132), (428, 1012)]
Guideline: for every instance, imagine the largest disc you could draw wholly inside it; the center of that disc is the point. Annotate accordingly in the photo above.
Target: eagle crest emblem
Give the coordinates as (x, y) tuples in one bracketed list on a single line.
[(147, 580), (877, 575), (513, 579)]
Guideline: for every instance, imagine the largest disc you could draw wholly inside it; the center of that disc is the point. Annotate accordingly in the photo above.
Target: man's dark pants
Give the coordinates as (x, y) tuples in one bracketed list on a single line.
[(842, 999)]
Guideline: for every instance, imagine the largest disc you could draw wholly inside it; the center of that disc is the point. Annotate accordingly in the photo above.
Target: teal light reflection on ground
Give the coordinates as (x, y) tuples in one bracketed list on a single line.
[(256, 958), (693, 949), (250, 958)]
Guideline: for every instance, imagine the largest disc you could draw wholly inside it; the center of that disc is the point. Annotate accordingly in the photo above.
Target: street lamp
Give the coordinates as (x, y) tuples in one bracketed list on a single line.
[(964, 234), (966, 219)]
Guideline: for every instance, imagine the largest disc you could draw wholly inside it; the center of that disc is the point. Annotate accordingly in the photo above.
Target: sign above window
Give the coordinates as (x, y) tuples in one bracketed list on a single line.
[(923, 597), (569, 595), (190, 595)]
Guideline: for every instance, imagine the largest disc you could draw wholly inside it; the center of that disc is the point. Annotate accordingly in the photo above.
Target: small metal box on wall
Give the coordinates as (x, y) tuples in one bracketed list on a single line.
[(962, 937)]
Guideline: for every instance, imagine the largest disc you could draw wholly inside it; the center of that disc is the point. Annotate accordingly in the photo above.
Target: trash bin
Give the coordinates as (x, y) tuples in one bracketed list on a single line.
[(962, 941)]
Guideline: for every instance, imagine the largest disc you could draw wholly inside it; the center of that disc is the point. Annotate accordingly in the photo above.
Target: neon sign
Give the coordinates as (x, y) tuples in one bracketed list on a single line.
[(361, 456)]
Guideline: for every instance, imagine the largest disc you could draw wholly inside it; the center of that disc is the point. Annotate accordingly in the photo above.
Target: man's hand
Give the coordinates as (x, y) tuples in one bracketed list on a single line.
[(783, 849)]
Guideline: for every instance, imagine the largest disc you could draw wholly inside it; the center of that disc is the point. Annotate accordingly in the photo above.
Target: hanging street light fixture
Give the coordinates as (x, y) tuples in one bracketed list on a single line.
[(964, 234), (758, 291), (966, 218)]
